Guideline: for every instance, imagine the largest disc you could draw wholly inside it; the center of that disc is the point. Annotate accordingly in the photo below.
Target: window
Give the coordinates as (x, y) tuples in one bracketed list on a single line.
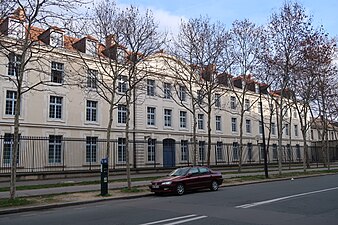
[(234, 124), (56, 39), (311, 134), (257, 88), (57, 72), (235, 155), (295, 113), (248, 126), (274, 152), (121, 149), (151, 150), (122, 84), (250, 156), (184, 150), (92, 78), (55, 149), (218, 100), (218, 123), (150, 87), (232, 102), (259, 108), (201, 150), (167, 117), (200, 96), (8, 149), (273, 128), (183, 119), (200, 121), (182, 94), (286, 129), (247, 104), (219, 150), (288, 148), (120, 55), (286, 112), (14, 62), (167, 90), (296, 130), (121, 113), (91, 111), (10, 102), (260, 127), (55, 107), (91, 149), (151, 116), (15, 29), (298, 151), (91, 47)]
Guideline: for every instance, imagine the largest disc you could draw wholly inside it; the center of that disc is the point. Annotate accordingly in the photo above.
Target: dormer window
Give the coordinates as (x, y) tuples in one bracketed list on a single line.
[(15, 29), (257, 88), (120, 55), (56, 39), (91, 47)]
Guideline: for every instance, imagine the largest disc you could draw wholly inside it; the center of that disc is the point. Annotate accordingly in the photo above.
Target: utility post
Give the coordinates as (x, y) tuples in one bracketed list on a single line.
[(263, 134)]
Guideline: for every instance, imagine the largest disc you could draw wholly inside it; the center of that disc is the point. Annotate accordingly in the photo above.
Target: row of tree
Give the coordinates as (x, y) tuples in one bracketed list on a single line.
[(292, 58)]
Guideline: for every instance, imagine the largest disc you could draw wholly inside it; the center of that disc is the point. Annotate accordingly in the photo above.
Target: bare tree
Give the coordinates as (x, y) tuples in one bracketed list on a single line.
[(246, 51), (131, 38), (286, 31), (199, 48), (25, 53), (319, 56)]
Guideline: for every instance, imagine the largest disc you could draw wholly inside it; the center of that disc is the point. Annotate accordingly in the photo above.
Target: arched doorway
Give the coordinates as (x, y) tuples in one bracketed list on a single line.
[(168, 152)]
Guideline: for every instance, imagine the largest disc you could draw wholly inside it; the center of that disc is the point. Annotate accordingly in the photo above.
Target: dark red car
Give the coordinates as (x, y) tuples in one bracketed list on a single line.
[(187, 178)]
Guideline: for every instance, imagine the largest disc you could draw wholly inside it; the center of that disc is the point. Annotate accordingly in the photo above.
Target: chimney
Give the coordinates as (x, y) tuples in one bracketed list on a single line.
[(110, 40)]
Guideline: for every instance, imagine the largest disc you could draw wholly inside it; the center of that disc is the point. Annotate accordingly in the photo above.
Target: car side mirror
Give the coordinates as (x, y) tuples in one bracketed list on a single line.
[(189, 174)]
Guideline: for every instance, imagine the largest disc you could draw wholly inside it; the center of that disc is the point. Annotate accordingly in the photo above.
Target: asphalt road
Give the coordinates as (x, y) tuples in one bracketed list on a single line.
[(301, 201)]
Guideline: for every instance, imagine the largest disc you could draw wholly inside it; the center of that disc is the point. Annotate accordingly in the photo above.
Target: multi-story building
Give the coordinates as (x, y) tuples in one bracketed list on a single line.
[(63, 120)]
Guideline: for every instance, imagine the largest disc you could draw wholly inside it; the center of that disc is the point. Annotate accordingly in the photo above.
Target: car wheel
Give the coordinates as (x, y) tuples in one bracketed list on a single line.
[(180, 189), (214, 186)]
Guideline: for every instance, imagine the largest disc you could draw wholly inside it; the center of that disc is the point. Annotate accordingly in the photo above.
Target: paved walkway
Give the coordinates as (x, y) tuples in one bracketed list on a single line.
[(228, 173)]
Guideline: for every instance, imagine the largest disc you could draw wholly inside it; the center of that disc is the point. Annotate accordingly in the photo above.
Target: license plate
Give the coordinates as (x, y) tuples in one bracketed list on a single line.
[(155, 186)]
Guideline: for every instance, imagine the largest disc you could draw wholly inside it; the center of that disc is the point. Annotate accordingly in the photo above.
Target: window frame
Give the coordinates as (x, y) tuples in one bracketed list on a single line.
[(57, 72)]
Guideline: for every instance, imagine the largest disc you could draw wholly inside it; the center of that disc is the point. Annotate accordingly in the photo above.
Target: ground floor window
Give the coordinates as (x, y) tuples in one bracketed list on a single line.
[(219, 150), (55, 149), (249, 147), (121, 149), (274, 152), (8, 149), (91, 149), (235, 155), (201, 147), (184, 150), (298, 151), (151, 149)]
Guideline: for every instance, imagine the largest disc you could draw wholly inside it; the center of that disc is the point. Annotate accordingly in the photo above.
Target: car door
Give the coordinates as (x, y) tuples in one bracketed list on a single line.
[(204, 177), (192, 179)]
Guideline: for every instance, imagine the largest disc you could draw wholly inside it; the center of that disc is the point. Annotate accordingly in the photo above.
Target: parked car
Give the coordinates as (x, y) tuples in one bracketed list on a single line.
[(187, 178)]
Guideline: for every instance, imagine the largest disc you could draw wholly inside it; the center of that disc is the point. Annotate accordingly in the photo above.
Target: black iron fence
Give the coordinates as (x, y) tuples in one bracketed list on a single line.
[(58, 154)]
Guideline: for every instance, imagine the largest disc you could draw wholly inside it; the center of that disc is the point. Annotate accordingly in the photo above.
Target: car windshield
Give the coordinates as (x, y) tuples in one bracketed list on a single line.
[(179, 172)]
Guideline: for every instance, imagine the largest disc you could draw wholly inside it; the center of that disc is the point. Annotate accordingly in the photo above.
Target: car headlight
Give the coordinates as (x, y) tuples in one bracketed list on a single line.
[(166, 183)]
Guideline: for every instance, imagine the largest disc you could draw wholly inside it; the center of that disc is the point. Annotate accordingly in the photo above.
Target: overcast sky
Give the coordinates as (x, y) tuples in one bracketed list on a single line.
[(170, 12)]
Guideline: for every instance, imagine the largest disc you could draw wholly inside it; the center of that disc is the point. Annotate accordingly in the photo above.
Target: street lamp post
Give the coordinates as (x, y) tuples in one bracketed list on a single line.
[(263, 134)]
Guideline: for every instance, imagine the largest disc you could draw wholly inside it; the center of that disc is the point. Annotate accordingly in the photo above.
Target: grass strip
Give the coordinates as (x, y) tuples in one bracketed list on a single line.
[(44, 186)]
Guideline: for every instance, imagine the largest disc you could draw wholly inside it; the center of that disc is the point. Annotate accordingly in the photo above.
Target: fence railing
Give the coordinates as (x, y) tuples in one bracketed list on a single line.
[(55, 154)]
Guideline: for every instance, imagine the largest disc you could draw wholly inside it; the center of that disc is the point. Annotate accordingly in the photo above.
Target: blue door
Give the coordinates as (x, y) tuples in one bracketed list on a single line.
[(168, 153)]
